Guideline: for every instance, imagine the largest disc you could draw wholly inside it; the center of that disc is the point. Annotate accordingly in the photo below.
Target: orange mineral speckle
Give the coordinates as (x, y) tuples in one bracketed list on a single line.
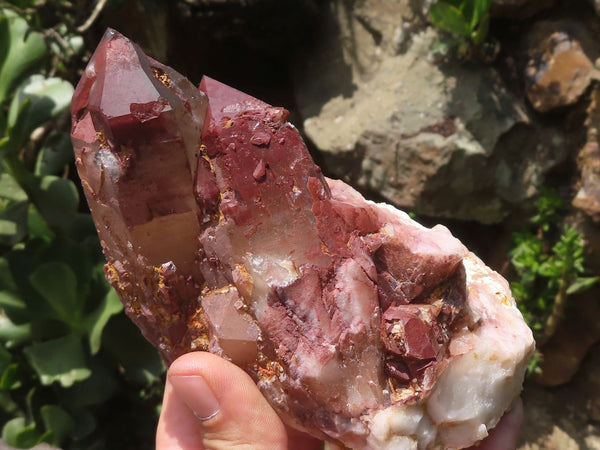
[(102, 141), (113, 276), (161, 76)]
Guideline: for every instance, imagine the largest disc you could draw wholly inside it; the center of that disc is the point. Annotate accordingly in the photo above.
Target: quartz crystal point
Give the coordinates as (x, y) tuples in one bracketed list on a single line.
[(359, 325)]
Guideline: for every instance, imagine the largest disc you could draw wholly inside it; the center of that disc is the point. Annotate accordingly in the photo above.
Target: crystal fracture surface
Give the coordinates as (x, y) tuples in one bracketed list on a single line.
[(358, 325)]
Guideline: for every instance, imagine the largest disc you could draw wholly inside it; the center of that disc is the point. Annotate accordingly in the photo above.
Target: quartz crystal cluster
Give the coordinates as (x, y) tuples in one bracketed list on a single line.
[(359, 325)]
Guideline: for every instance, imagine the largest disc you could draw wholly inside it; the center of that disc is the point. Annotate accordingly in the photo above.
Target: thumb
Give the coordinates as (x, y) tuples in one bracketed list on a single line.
[(212, 404)]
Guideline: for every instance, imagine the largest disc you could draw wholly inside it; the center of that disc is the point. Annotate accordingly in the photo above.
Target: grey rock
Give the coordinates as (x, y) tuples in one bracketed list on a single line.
[(588, 195), (442, 140)]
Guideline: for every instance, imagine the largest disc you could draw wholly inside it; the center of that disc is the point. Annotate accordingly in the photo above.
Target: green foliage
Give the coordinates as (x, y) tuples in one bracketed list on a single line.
[(71, 365), (549, 263), (549, 207), (467, 21), (22, 52)]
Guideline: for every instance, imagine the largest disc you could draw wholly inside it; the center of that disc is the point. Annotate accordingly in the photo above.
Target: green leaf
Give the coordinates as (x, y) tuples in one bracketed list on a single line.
[(57, 201), (480, 31), (29, 305), (527, 253), (96, 321), (19, 433), (37, 226), (76, 43), (22, 51), (85, 423), (9, 378), (11, 303), (551, 268), (519, 291), (12, 335), (5, 358), (47, 97), (80, 259), (6, 279), (56, 283), (125, 343), (7, 228), (57, 421), (480, 11), (13, 223), (98, 388), (10, 189), (582, 284), (83, 229), (55, 155), (449, 18), (548, 205), (59, 360), (14, 140), (8, 406)]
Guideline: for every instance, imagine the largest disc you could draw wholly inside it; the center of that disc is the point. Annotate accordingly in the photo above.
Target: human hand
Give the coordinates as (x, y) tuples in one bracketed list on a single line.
[(505, 435), (211, 404)]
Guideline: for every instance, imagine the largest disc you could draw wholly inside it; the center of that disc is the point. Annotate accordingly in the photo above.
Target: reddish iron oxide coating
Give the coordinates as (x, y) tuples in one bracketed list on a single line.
[(221, 234)]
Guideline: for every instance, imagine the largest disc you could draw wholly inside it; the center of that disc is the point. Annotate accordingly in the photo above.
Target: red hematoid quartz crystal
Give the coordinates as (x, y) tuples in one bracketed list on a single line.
[(359, 325)]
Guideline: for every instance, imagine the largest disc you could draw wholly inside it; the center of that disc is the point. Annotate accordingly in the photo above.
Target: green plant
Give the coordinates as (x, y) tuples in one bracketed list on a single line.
[(467, 21), (549, 263), (71, 365)]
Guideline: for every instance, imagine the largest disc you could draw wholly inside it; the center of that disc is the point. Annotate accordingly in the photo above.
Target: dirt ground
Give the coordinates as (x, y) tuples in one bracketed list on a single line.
[(565, 417)]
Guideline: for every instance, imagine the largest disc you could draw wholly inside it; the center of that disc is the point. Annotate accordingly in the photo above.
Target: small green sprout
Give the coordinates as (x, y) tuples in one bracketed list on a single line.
[(468, 23), (548, 270)]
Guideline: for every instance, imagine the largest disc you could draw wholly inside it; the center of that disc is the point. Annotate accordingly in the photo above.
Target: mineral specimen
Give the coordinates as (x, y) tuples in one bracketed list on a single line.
[(359, 325)]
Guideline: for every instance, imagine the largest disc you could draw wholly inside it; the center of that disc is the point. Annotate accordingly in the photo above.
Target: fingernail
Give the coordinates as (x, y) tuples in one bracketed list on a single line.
[(197, 395)]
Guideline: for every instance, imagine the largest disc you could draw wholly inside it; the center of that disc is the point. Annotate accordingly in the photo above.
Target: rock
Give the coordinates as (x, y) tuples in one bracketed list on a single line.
[(577, 332), (438, 139), (565, 416), (120, 110), (588, 196), (592, 442), (558, 71), (558, 438), (518, 9), (579, 329), (359, 325), (588, 161)]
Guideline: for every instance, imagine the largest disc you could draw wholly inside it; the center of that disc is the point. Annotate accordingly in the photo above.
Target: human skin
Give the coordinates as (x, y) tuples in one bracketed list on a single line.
[(211, 404)]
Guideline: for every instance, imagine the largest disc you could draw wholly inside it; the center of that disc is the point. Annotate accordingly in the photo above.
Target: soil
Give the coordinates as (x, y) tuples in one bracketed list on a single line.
[(566, 417)]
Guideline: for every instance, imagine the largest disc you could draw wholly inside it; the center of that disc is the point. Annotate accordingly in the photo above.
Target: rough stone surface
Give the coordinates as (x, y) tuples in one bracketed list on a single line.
[(576, 334), (357, 324), (588, 195), (438, 139), (135, 128), (565, 416), (559, 70)]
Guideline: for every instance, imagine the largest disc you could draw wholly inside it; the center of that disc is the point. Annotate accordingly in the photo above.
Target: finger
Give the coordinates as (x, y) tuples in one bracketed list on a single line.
[(177, 427), (298, 440), (225, 409), (505, 435)]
